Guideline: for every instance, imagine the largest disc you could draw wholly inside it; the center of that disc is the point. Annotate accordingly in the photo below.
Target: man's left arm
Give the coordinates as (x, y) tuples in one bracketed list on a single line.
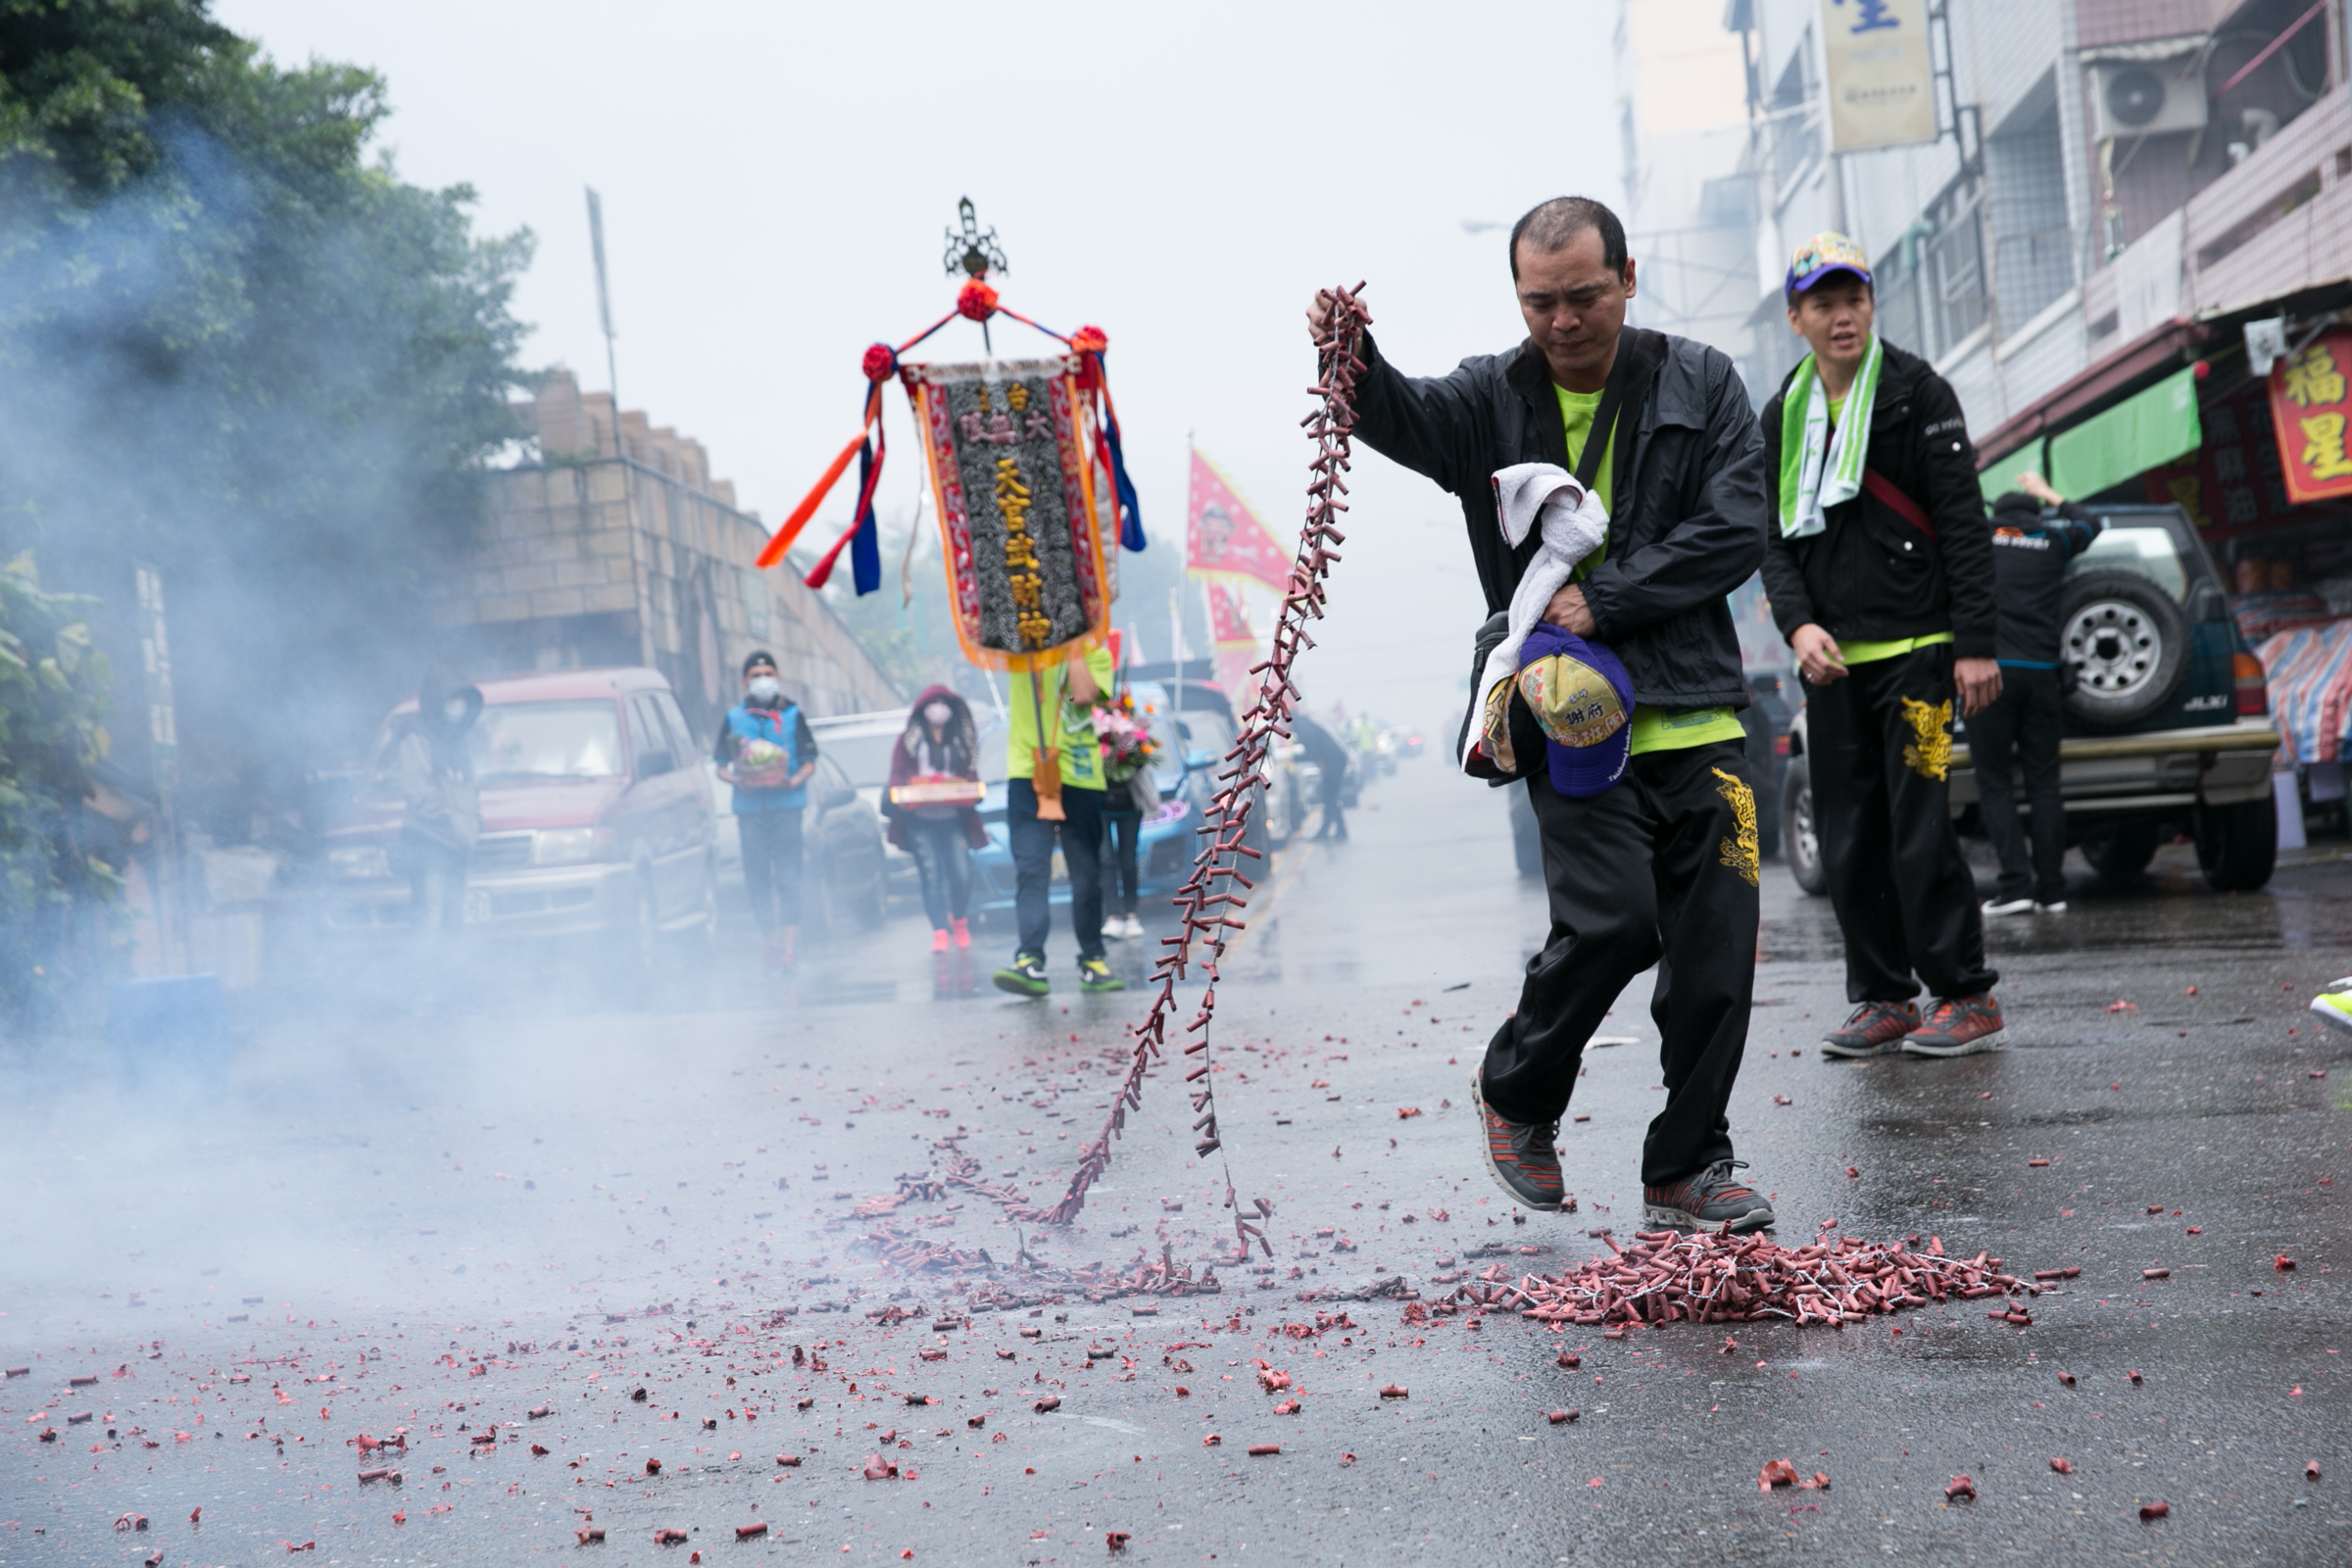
[(1710, 552), (1955, 501)]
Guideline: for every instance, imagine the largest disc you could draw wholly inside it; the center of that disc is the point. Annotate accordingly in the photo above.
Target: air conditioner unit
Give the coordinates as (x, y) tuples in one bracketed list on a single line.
[(2146, 97)]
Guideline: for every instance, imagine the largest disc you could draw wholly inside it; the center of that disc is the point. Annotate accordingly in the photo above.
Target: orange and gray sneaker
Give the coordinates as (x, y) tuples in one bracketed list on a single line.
[(1874, 1029), (1520, 1156), (1957, 1026), (1711, 1200)]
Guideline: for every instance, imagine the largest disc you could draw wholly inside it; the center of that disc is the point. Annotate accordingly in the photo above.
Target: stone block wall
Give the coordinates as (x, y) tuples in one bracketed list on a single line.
[(596, 557)]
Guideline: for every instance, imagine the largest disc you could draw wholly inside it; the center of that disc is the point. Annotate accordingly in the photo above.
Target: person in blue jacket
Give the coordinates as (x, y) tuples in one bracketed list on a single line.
[(766, 751)]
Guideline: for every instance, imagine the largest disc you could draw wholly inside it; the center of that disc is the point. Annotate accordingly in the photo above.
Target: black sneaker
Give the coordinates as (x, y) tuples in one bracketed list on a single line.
[(1711, 1200), (1095, 975), (1876, 1028), (1519, 1155), (1025, 976)]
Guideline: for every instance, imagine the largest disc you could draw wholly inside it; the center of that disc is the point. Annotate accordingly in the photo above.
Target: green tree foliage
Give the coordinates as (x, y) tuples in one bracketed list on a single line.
[(235, 347)]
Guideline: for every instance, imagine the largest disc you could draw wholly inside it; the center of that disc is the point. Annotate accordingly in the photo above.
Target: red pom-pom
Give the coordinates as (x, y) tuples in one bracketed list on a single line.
[(1090, 340), (881, 362), (976, 301)]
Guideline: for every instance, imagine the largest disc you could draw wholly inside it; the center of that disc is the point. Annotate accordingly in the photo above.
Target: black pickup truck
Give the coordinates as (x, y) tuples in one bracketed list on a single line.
[(2168, 730)]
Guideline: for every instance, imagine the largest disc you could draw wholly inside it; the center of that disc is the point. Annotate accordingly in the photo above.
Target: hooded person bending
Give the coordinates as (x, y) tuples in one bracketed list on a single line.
[(1659, 867)]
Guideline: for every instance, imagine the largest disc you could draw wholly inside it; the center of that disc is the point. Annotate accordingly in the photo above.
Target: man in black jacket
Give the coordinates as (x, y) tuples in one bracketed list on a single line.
[(1881, 576), (1661, 867), (2030, 549)]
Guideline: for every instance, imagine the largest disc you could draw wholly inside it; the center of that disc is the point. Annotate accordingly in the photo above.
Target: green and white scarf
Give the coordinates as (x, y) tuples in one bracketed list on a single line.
[(1821, 468)]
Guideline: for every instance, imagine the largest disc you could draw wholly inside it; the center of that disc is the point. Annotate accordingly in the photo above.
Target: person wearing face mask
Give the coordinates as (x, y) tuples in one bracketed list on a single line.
[(933, 804), (765, 752), (441, 803)]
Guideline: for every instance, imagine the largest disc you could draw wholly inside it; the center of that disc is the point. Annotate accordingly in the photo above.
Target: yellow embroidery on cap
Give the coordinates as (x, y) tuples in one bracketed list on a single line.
[(1739, 853), (1929, 754)]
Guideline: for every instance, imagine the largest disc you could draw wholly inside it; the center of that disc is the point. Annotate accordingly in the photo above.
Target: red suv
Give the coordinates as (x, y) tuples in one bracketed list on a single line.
[(595, 820)]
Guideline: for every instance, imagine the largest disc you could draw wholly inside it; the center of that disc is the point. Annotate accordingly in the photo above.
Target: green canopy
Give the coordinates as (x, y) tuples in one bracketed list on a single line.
[(2144, 431)]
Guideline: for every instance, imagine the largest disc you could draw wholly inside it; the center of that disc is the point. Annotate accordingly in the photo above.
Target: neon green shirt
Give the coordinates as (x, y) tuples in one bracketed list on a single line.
[(1655, 729), (1081, 750), (1869, 653)]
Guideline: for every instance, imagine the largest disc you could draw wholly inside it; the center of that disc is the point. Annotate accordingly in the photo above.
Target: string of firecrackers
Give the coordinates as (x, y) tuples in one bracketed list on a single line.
[(1711, 1277), (1207, 901)]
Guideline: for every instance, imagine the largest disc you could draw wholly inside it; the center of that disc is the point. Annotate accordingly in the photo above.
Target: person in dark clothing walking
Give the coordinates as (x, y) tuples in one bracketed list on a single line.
[(933, 804), (1660, 867), (2030, 549), (1879, 574), (1330, 756), (441, 803), (765, 752)]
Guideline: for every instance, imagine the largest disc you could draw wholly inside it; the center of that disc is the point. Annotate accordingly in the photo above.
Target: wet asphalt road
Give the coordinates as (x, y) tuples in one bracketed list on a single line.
[(433, 1227)]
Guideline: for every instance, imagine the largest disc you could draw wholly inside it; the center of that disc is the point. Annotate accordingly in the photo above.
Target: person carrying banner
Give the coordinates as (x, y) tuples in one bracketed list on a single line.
[(1880, 573), (1053, 788), (1658, 867)]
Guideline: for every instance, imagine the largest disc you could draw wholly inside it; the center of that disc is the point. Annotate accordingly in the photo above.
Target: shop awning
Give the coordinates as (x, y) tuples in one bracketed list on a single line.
[(2144, 431)]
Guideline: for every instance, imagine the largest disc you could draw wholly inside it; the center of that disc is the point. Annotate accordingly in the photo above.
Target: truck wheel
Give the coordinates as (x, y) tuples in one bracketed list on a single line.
[(1799, 841), (2120, 853), (2128, 641), (2238, 846)]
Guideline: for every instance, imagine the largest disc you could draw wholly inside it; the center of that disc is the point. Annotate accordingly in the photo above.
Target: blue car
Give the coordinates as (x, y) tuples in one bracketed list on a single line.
[(1167, 843)]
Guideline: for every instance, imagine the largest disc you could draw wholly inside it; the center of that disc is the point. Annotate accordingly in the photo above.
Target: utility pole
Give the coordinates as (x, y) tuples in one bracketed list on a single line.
[(642, 568)]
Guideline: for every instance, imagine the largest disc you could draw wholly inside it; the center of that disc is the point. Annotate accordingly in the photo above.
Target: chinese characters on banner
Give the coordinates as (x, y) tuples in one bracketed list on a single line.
[(2233, 483), (2310, 407), (1882, 86)]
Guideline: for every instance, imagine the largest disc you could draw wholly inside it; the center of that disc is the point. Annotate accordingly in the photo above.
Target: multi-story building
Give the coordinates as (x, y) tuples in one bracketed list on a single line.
[(2116, 191)]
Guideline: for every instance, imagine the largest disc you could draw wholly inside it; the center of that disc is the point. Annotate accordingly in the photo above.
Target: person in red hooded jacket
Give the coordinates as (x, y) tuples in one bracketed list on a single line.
[(934, 807)]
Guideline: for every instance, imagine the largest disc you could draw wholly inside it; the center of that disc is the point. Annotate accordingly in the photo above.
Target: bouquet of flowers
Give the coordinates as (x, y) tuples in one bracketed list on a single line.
[(1127, 745), (762, 766)]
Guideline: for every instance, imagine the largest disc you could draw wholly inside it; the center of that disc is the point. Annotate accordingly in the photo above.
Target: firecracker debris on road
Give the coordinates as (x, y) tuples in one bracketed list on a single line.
[(539, 1281)]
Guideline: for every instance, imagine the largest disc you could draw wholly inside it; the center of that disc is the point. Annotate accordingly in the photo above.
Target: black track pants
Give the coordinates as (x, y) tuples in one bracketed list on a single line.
[(1879, 745), (1660, 869), (2029, 716)]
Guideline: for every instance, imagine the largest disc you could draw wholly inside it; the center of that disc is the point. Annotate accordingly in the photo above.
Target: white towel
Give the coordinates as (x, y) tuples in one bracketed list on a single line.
[(1573, 523)]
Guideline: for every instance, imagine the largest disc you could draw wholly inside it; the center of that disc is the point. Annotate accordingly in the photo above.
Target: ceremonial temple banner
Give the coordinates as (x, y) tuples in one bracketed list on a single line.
[(1019, 492), (1223, 538)]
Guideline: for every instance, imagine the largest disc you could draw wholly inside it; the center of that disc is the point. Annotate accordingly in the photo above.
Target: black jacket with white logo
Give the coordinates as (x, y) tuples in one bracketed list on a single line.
[(2029, 553)]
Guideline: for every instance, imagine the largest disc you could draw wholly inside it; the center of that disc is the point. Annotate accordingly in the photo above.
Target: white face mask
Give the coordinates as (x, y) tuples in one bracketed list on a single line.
[(454, 710), (764, 688), (936, 714)]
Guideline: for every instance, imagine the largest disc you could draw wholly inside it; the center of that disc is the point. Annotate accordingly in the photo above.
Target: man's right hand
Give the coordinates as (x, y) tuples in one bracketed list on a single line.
[(1817, 654), (1318, 314)]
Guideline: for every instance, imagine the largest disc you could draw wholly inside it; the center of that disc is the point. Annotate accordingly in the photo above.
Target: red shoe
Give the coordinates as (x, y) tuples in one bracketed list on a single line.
[(963, 932), (938, 940), (1958, 1026)]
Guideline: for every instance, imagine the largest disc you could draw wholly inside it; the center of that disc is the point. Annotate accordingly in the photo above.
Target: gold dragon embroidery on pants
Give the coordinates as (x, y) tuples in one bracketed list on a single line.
[(1929, 753), (1739, 853)]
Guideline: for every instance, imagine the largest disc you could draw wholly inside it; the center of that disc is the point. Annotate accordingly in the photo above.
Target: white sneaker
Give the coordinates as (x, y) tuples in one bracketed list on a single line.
[(2058, 907), (1135, 927), (1114, 928), (1994, 906)]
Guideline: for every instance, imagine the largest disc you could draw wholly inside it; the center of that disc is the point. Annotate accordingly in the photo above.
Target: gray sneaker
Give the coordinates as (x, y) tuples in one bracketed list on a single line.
[(1711, 1200)]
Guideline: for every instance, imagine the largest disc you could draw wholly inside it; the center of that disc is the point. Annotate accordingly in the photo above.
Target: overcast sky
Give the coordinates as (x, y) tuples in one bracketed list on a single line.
[(776, 179)]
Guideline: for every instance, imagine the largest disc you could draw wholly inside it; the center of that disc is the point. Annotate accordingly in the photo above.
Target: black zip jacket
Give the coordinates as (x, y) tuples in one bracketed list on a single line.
[(2030, 550), (1870, 575), (1686, 478)]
